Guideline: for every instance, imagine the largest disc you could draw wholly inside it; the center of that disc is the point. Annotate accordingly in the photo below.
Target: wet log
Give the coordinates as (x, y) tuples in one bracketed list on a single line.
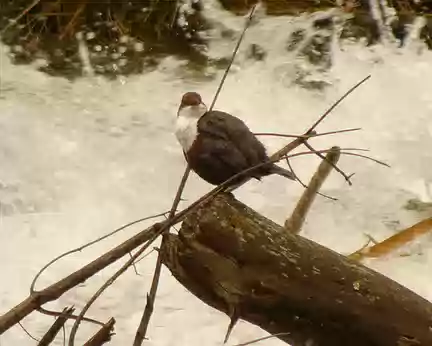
[(245, 265)]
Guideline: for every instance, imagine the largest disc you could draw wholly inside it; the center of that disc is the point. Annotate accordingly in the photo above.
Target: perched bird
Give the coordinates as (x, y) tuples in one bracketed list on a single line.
[(218, 145)]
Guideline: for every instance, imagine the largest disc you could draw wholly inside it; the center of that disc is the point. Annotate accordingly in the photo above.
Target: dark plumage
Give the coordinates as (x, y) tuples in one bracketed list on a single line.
[(223, 145)]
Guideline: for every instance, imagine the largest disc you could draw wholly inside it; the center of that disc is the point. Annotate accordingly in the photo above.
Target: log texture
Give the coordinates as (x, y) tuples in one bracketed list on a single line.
[(245, 265)]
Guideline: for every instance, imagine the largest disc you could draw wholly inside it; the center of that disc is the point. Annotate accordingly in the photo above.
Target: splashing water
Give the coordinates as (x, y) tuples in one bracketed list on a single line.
[(79, 159)]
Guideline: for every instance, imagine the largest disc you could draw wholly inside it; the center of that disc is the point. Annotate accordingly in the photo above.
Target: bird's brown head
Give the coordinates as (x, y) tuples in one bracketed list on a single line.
[(191, 105), (191, 99)]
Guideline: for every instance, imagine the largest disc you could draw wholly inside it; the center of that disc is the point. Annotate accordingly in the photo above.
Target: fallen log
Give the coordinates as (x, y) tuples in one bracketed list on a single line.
[(245, 265)]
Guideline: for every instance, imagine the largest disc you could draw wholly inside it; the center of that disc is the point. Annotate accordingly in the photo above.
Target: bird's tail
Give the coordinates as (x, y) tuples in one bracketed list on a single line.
[(283, 172)]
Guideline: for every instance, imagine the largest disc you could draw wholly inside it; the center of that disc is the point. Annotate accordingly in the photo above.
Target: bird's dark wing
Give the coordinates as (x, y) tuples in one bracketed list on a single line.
[(215, 159), (224, 126)]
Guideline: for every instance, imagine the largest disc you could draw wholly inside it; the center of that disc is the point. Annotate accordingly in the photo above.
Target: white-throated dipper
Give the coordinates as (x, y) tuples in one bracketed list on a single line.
[(218, 145)]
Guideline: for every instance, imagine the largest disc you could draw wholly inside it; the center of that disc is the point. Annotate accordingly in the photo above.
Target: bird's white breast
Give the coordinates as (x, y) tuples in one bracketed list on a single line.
[(187, 125)]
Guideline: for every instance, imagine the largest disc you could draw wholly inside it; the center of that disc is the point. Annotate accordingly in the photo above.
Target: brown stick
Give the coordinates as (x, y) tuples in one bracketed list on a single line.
[(74, 18), (296, 220), (55, 328), (395, 241), (148, 310), (103, 335)]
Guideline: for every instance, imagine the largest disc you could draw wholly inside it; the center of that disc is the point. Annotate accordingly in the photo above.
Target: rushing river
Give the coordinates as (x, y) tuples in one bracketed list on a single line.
[(78, 159)]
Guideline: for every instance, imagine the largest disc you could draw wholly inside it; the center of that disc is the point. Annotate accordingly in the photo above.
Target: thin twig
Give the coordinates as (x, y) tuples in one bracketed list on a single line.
[(144, 256), (304, 185), (338, 131), (64, 335), (151, 296), (328, 111), (55, 328), (275, 134), (82, 247), (27, 332), (109, 282), (324, 151), (341, 172), (74, 18), (133, 265), (233, 56), (71, 316), (369, 158)]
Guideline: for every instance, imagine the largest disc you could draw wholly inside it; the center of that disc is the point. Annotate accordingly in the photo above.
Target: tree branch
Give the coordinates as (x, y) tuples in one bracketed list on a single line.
[(233, 258)]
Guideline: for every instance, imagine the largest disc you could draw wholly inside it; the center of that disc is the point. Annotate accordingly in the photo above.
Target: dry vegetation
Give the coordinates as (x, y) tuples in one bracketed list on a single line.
[(127, 37), (123, 37)]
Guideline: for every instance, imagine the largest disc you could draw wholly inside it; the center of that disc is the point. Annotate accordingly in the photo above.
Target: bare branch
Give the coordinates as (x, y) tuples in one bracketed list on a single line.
[(71, 316), (55, 328), (148, 310), (369, 158), (105, 286), (27, 332), (78, 249), (133, 265), (144, 256), (275, 134), (327, 112), (73, 20), (347, 178), (303, 184), (233, 56), (103, 335)]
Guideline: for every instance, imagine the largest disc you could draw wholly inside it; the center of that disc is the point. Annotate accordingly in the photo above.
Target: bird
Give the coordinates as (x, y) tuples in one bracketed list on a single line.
[(218, 145)]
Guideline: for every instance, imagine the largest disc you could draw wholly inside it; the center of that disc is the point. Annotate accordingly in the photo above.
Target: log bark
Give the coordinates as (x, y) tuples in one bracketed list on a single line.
[(245, 265)]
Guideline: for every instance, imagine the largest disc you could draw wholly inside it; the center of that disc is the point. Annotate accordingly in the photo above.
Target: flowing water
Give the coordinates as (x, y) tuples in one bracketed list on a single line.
[(78, 159)]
